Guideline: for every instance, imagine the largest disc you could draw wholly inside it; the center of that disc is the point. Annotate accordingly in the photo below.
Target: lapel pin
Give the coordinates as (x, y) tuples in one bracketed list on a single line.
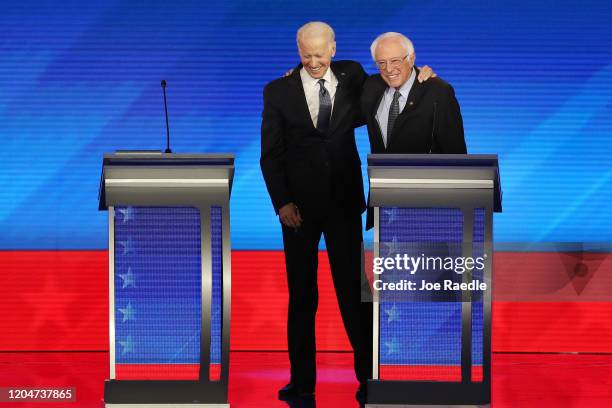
[(410, 103)]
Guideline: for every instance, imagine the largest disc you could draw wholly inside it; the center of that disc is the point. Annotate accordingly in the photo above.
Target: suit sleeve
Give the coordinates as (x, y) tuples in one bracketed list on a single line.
[(273, 153), (449, 136), (360, 79)]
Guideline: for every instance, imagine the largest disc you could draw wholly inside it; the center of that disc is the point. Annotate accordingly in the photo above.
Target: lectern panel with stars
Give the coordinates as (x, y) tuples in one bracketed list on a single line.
[(420, 336), (157, 292)]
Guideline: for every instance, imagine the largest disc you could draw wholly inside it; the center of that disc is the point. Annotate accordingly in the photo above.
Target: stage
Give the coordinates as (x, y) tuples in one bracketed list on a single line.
[(90, 295), (519, 380)]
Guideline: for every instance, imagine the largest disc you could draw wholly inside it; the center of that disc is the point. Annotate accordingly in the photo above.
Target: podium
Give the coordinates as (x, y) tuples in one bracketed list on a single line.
[(432, 337), (169, 278)]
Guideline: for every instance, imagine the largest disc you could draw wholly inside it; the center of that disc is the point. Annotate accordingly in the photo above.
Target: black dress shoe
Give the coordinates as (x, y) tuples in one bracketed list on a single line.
[(292, 391), (362, 393)]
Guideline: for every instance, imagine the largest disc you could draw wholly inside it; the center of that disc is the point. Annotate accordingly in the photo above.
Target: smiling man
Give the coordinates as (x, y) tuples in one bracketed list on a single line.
[(404, 115), (312, 170)]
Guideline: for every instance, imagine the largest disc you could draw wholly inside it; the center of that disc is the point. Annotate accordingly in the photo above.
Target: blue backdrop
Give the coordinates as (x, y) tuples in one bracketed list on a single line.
[(534, 80)]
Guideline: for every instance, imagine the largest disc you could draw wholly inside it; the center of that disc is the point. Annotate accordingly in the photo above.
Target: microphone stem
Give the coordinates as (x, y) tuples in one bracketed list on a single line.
[(167, 125)]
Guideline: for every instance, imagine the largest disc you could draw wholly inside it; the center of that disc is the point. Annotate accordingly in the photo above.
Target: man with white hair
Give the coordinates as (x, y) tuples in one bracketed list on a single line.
[(312, 170), (404, 115)]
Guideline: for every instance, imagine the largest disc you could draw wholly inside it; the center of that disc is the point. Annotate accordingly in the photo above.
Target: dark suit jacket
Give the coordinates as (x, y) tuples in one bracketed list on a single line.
[(415, 130), (316, 171), (430, 122)]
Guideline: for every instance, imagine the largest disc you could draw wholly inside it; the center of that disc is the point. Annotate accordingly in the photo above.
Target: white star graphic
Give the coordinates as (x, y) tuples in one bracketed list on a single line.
[(392, 246), (128, 278), (392, 346), (390, 212), (127, 214), (128, 312), (128, 345), (392, 314), (128, 245)]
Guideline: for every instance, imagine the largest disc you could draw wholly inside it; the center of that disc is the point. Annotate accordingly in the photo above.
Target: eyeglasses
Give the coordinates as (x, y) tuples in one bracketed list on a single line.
[(393, 62)]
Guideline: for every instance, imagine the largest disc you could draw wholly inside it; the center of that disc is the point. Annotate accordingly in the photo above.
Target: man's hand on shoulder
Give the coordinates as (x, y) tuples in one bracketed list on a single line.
[(289, 214), (425, 73)]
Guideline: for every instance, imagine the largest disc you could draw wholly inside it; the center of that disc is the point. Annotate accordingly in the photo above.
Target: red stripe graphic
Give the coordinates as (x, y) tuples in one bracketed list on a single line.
[(58, 300), (164, 372), (426, 373)]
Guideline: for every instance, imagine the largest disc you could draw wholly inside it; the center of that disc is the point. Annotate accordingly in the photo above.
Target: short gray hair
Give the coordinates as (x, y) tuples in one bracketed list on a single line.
[(316, 28), (403, 40)]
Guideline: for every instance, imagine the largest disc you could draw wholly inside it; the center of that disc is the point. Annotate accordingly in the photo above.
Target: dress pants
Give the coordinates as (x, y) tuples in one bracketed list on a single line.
[(344, 242)]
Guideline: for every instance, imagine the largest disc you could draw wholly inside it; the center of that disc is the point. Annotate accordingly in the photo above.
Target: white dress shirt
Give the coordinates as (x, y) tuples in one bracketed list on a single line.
[(311, 90), (382, 114)]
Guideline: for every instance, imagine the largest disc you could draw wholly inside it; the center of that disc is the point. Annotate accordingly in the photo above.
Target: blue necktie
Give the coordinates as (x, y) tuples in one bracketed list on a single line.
[(393, 114), (325, 108)]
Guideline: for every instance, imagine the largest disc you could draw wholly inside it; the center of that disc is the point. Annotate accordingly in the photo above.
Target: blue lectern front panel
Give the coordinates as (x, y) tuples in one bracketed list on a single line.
[(478, 250), (216, 236), (158, 270), (420, 337)]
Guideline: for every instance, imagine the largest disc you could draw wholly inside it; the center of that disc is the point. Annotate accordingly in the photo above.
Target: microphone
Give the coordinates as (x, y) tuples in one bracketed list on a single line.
[(433, 127), (163, 85)]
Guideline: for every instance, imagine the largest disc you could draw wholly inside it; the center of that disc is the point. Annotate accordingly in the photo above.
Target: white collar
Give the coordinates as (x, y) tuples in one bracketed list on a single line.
[(306, 78)]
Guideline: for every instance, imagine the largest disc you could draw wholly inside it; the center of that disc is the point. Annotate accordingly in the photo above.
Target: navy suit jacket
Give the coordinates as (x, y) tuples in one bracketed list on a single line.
[(430, 122), (317, 171)]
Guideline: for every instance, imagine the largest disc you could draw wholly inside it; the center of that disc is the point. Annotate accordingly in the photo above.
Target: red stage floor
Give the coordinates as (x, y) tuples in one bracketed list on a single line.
[(519, 380)]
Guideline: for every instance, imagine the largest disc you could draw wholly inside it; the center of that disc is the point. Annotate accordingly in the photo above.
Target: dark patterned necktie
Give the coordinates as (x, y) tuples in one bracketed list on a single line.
[(325, 108), (393, 114)]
